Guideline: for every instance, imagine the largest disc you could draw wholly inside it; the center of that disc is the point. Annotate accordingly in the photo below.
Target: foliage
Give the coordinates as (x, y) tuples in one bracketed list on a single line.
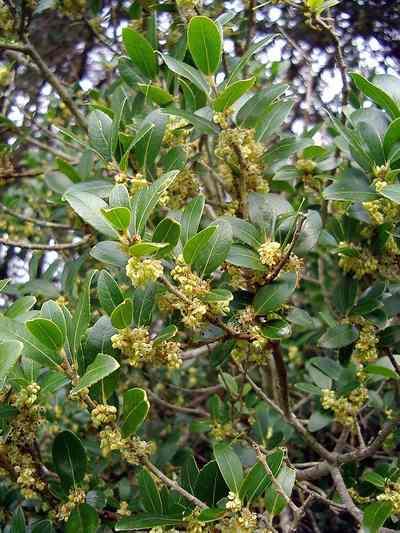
[(215, 346)]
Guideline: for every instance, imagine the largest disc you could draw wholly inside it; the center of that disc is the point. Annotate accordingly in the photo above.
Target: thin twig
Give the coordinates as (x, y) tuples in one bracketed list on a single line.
[(37, 222), (47, 247), (173, 484)]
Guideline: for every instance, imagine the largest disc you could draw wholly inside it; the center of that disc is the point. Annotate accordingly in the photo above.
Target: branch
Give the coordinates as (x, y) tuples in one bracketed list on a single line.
[(177, 408), (54, 82), (173, 485), (344, 494), (286, 257), (47, 247), (41, 223)]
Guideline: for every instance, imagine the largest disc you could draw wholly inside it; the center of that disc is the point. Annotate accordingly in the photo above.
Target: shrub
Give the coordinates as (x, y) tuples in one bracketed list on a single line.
[(219, 352)]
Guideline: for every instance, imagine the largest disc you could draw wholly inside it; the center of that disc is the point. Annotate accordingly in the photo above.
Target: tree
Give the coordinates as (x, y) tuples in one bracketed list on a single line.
[(207, 339)]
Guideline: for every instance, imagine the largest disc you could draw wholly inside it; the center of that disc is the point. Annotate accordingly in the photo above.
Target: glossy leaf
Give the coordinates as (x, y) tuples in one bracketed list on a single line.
[(140, 52), (271, 297), (47, 332), (108, 291), (101, 367), (69, 459), (136, 407), (229, 465), (205, 44)]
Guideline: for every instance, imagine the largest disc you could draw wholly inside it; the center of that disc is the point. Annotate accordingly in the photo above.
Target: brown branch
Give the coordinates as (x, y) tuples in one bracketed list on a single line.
[(344, 494), (47, 247), (37, 222), (177, 408), (54, 82), (173, 484)]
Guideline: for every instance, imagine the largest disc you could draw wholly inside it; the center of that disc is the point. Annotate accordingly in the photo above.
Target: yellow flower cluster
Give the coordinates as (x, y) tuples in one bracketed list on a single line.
[(176, 133), (222, 431), (132, 449), (245, 522), (73, 8), (392, 495), (27, 396), (4, 76), (361, 265), (254, 351), (306, 166), (234, 503), (241, 156), (75, 497), (6, 19), (141, 271), (243, 278), (123, 509), (103, 415), (136, 345), (345, 409), (28, 479), (184, 187), (365, 349), (270, 253), (193, 310), (223, 118)]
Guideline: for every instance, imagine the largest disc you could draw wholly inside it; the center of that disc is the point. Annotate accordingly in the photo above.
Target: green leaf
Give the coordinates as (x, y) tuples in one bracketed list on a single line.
[(246, 57), (100, 133), (18, 524), (143, 304), (271, 297), (89, 208), (146, 199), (69, 459), (167, 232), (101, 367), (251, 111), (136, 407), (229, 465), (156, 94), (338, 336), (99, 188), (375, 515), (352, 186), (147, 521), (392, 192), (43, 526), (9, 354), (122, 315), (231, 93), (376, 94), (165, 334), (202, 125), (33, 349), (148, 145), (276, 329), (119, 217), (275, 503), (205, 44), (186, 71), (110, 253), (76, 328), (318, 421), (119, 196), (392, 136), (216, 250), (374, 478), (194, 245), (245, 232), (149, 493), (142, 249), (189, 474), (210, 485), (244, 257), (140, 52), (273, 118), (20, 306), (47, 332), (3, 284), (191, 217), (108, 291), (257, 479), (83, 519)]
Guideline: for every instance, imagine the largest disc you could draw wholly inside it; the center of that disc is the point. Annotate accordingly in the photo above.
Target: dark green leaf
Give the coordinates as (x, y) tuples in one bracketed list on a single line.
[(149, 493), (338, 336), (140, 52), (101, 367), (108, 291), (122, 315), (231, 93), (229, 465), (257, 479), (47, 332), (205, 44), (9, 354), (136, 407), (191, 217), (69, 458), (375, 515), (271, 297), (83, 519)]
